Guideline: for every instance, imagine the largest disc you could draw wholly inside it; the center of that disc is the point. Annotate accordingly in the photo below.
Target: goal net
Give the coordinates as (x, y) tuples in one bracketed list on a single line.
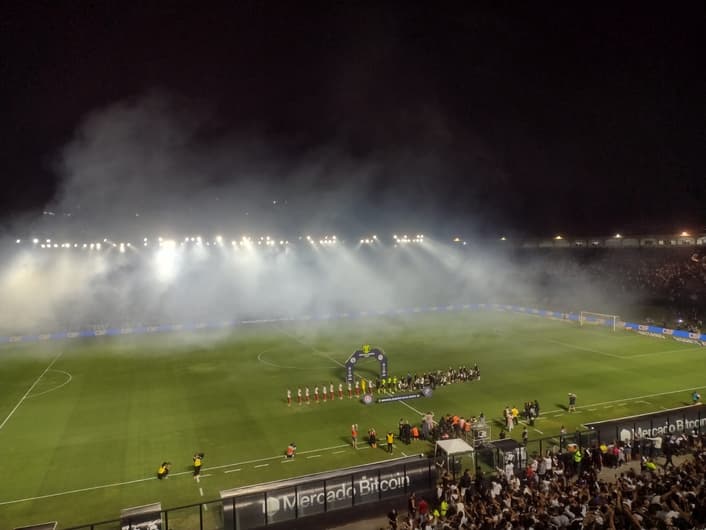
[(598, 319)]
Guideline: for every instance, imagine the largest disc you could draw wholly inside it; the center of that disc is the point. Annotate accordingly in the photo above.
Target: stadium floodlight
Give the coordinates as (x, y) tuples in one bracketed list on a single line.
[(503, 238), (75, 245), (18, 241), (56, 245), (558, 237), (375, 237), (684, 234), (35, 241), (98, 246), (42, 245), (617, 236), (456, 239), (48, 241)]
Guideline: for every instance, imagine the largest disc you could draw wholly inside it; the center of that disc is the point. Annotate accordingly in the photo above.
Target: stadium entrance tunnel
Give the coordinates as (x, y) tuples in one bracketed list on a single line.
[(364, 353)]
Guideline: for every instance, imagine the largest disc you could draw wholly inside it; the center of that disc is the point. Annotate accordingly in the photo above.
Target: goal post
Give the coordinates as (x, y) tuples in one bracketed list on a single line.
[(598, 319)]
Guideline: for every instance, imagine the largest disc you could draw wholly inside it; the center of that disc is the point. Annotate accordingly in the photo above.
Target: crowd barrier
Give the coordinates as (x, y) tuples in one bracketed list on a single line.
[(642, 329)]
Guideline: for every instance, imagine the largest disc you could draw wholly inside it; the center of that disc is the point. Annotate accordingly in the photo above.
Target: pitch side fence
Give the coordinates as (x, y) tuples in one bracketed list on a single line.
[(305, 501), (652, 331)]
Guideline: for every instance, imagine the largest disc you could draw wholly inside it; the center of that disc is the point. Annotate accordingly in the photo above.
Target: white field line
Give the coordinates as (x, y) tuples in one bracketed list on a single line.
[(337, 452), (636, 398), (261, 465), (29, 390), (269, 363), (314, 456), (581, 348), (623, 357), (56, 387), (201, 491), (234, 470), (137, 481)]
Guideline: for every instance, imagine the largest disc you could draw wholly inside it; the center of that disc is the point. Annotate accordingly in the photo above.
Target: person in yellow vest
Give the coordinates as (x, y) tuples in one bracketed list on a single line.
[(390, 438), (363, 384), (443, 508), (578, 456), (198, 462), (163, 470)]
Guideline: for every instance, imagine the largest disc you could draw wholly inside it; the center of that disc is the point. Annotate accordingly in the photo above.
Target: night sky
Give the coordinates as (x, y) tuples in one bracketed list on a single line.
[(531, 120)]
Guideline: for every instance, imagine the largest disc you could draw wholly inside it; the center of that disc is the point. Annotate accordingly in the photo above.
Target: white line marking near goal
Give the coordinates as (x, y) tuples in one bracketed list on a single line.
[(261, 465), (201, 491), (581, 348), (29, 390), (233, 470), (56, 387), (314, 456)]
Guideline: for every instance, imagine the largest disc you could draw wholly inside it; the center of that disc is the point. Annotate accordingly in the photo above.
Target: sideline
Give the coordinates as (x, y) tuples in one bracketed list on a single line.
[(146, 479), (30, 390)]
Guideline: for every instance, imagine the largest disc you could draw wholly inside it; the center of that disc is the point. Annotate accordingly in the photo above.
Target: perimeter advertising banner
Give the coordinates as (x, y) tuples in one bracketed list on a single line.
[(653, 425), (324, 492)]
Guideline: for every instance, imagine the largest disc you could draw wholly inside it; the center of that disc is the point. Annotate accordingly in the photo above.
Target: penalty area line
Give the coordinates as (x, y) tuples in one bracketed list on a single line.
[(29, 390)]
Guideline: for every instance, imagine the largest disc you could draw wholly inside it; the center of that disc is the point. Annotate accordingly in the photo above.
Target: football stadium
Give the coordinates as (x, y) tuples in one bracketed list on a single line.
[(352, 266), (100, 414)]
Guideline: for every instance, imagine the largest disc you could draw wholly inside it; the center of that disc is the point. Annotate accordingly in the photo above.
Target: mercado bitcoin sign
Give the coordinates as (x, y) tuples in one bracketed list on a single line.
[(287, 500)]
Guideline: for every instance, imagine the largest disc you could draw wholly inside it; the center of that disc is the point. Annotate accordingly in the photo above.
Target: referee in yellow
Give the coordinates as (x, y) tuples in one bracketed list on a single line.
[(390, 438)]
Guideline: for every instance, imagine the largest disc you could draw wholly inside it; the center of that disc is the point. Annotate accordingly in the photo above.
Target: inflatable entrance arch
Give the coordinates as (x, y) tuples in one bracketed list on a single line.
[(364, 353)]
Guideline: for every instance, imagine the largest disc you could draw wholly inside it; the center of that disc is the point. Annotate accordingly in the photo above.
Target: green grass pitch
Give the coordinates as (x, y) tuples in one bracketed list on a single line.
[(85, 423)]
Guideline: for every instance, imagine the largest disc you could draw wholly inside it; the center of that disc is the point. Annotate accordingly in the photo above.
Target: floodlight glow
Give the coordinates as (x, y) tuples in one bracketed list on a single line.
[(85, 245), (35, 241), (18, 241), (684, 234), (375, 237), (558, 238), (503, 238), (56, 245), (75, 245), (457, 239), (48, 241), (617, 236), (98, 246), (42, 245), (219, 238)]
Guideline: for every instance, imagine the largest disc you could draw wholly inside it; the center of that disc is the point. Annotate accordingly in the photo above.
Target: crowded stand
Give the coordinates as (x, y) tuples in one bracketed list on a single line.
[(566, 488), (670, 283)]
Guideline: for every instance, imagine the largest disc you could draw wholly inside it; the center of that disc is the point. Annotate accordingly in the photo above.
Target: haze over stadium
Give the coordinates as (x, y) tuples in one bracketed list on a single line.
[(482, 148)]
